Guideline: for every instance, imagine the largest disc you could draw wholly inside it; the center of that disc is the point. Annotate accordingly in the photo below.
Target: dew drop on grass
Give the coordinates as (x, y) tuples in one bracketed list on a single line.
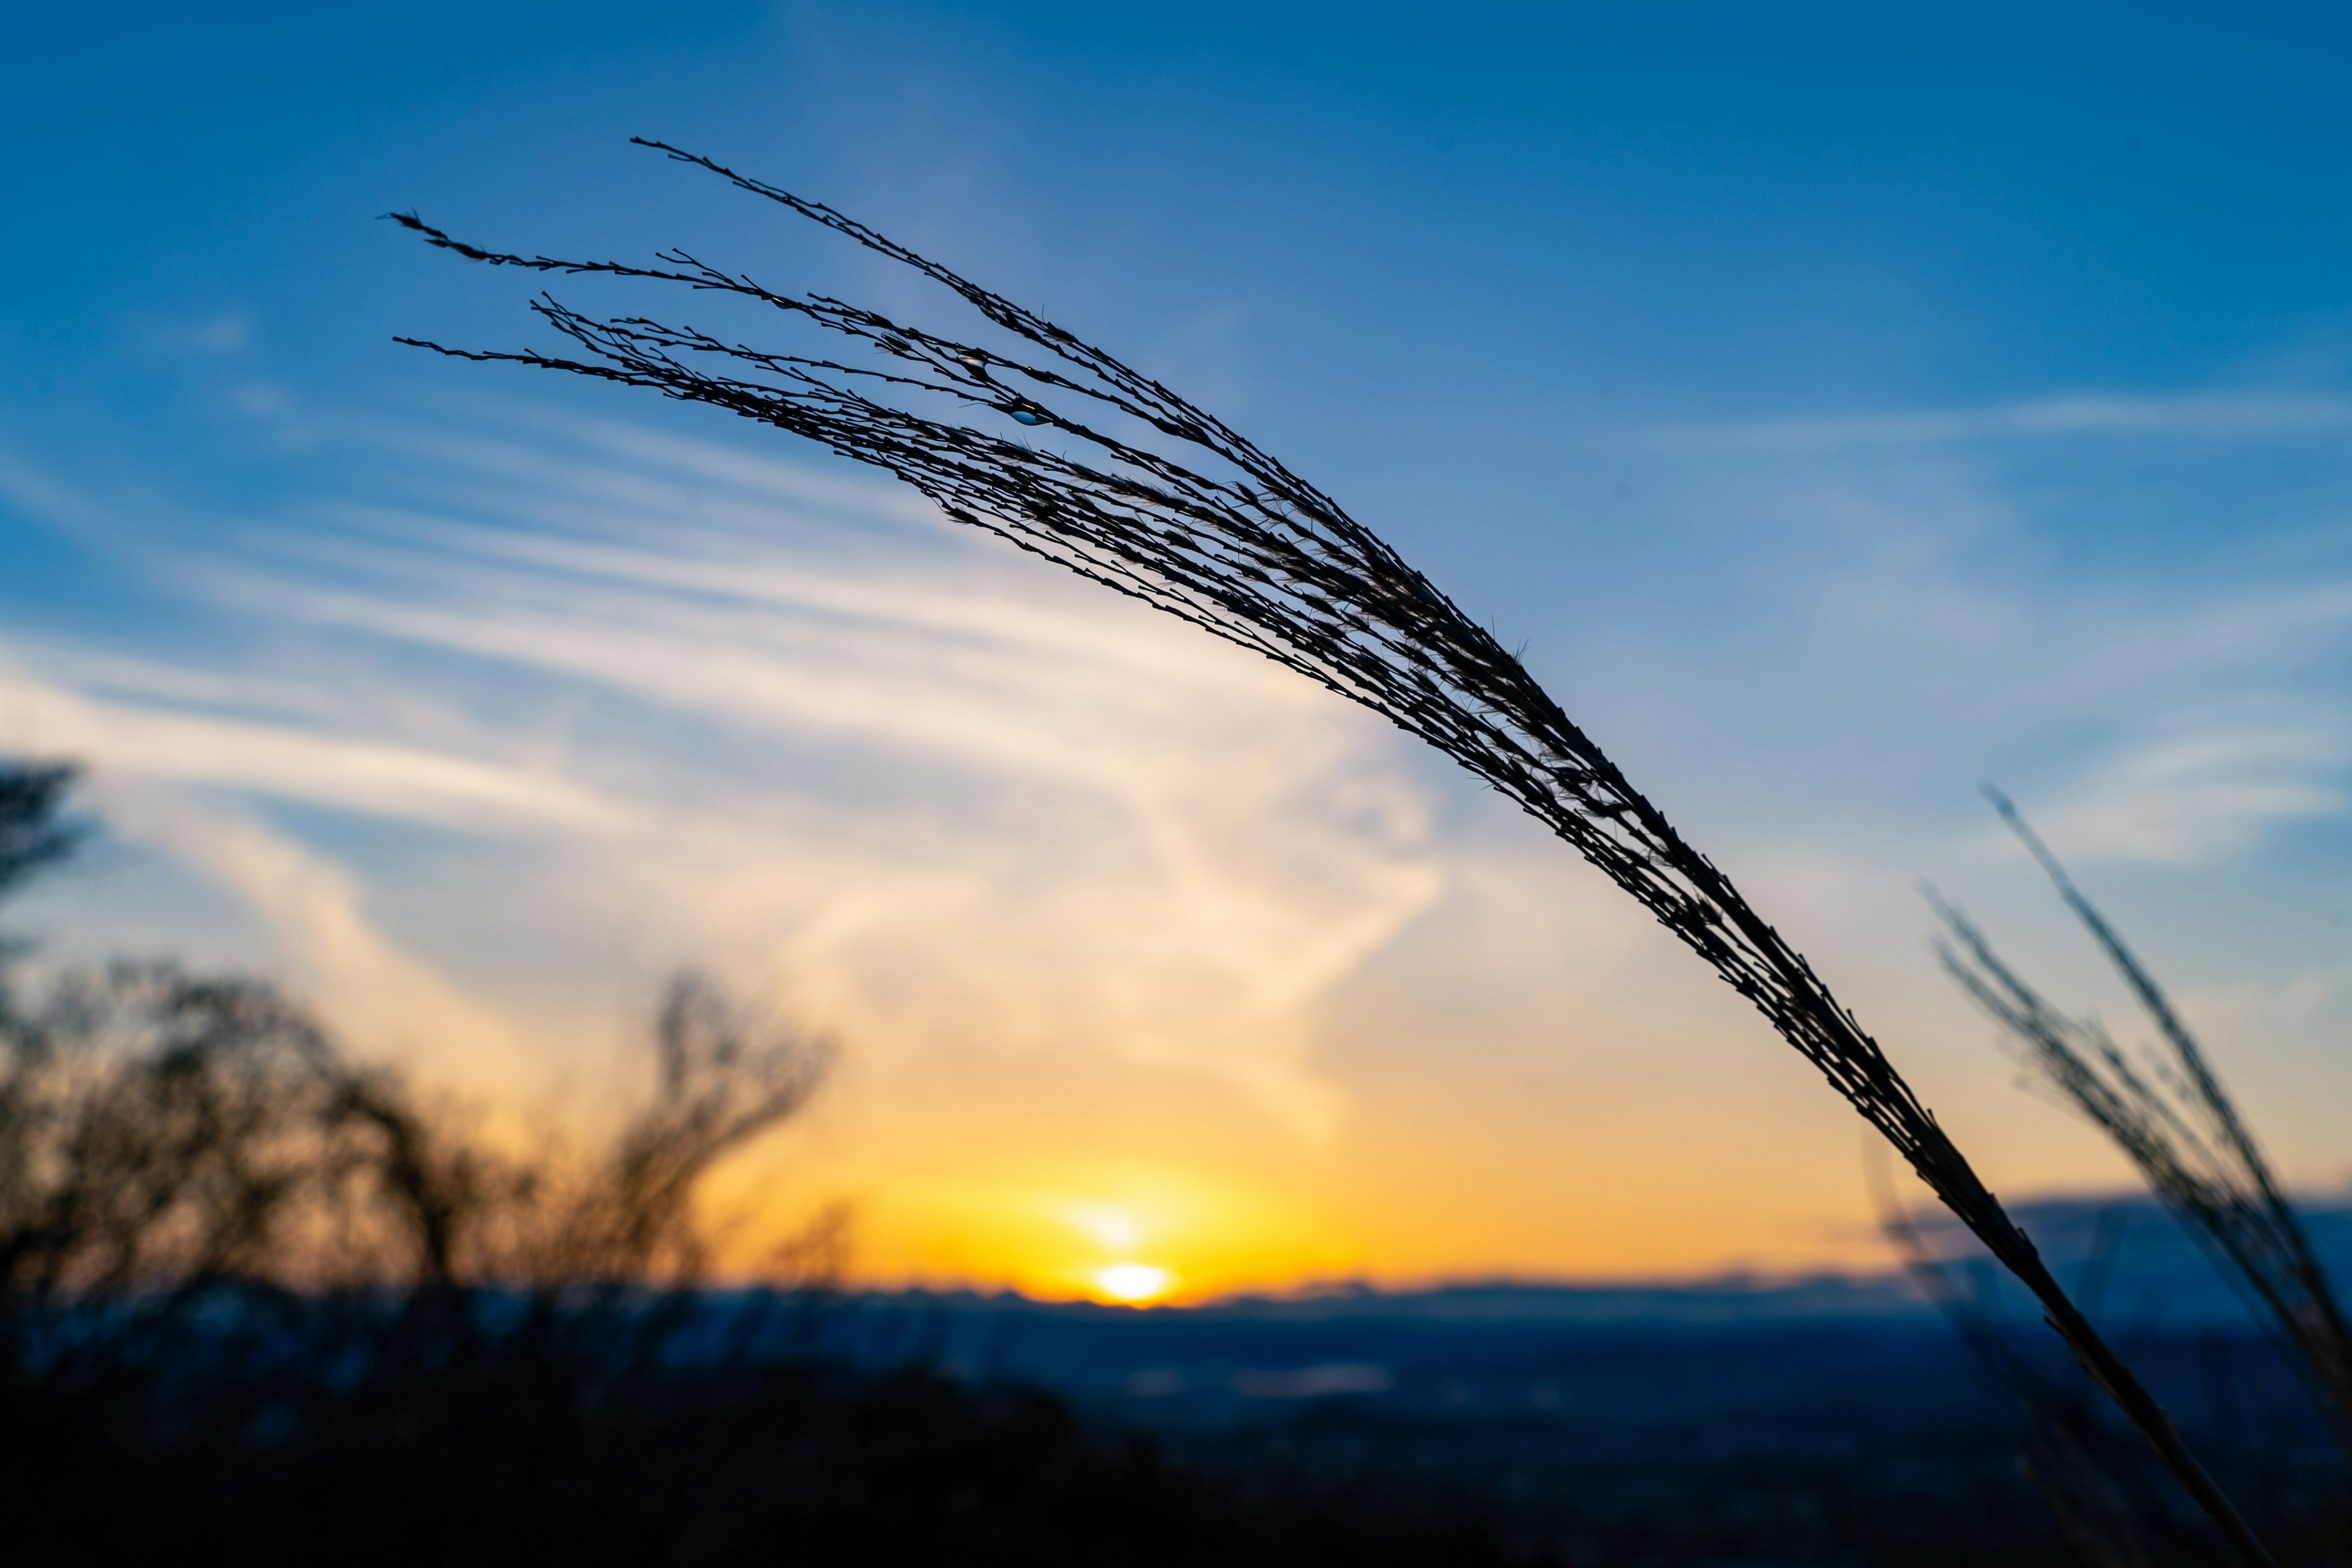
[(1028, 414)]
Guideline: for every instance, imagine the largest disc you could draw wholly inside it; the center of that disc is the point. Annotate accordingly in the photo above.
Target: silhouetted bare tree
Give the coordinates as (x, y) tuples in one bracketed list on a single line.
[(722, 1082), (33, 832), (1173, 506), (163, 1129), (259, 1304), (157, 1127)]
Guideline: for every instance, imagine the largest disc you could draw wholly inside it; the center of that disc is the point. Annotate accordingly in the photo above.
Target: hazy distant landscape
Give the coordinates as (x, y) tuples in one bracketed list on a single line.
[(1820, 1420)]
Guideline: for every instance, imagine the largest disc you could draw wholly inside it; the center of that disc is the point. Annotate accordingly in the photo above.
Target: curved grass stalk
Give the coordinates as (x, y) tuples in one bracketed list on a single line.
[(1204, 525)]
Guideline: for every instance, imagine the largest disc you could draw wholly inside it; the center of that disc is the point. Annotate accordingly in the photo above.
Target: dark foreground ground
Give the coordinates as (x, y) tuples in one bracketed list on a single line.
[(1735, 1425), (1742, 1423)]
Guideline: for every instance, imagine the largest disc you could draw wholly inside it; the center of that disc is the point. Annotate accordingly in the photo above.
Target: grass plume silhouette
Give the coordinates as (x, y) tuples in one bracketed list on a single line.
[(1177, 509)]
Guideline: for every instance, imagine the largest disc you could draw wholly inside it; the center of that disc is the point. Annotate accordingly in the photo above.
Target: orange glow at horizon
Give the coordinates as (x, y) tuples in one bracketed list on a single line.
[(981, 1198), (1131, 1235)]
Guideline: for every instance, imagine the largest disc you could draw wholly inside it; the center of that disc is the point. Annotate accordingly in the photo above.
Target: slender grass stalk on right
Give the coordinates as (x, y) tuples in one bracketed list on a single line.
[(2176, 1122)]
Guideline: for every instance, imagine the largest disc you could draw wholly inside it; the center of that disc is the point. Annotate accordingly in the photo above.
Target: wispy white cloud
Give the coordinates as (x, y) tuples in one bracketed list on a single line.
[(393, 1002), (2203, 791), (229, 333), (1923, 630), (801, 724), (33, 493), (2212, 417), (212, 336), (143, 729)]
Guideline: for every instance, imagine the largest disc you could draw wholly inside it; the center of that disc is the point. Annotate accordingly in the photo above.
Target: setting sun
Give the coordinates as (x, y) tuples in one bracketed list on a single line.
[(1133, 1282)]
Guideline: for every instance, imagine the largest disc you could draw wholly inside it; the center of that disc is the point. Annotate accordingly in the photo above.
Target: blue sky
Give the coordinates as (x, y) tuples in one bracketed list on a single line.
[(1843, 405)]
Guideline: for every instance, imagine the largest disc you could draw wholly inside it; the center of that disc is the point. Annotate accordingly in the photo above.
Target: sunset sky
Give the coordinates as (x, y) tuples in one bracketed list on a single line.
[(1843, 407)]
